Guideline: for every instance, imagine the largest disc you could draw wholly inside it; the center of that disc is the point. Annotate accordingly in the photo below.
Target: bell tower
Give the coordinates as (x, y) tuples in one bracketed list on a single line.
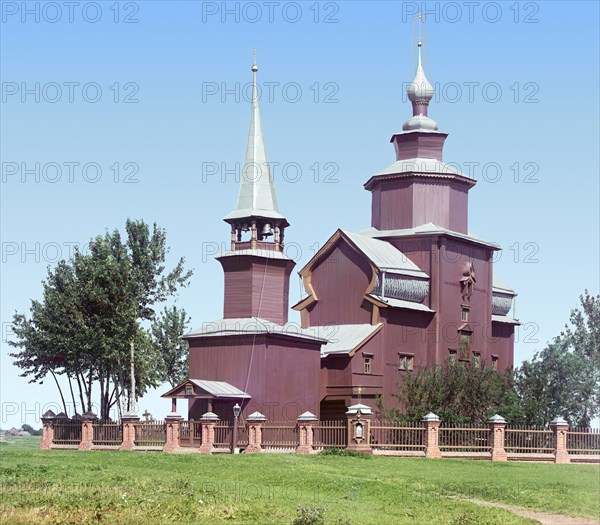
[(419, 188), (257, 273)]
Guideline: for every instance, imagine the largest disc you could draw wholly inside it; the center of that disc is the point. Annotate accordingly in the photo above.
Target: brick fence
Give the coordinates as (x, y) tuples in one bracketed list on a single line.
[(361, 431)]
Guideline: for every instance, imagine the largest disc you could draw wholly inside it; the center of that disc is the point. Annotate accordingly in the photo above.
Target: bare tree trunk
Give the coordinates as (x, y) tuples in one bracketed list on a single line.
[(72, 394), (78, 375), (107, 404), (112, 399), (101, 382), (60, 391), (89, 390), (132, 398)]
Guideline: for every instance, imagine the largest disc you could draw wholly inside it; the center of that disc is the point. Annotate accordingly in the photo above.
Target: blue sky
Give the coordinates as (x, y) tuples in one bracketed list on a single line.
[(151, 97)]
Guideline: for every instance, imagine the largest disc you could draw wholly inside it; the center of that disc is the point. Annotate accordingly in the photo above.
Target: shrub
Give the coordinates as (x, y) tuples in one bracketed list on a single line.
[(343, 452), (309, 515)]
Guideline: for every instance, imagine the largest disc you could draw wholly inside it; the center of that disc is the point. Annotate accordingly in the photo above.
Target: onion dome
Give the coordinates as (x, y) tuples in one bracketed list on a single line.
[(420, 92)]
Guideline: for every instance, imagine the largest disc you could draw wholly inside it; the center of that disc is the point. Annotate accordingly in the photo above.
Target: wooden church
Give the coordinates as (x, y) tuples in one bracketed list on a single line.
[(413, 290)]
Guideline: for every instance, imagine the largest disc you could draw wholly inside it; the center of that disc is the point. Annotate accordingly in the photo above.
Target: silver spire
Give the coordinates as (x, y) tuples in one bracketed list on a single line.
[(420, 92), (257, 197)]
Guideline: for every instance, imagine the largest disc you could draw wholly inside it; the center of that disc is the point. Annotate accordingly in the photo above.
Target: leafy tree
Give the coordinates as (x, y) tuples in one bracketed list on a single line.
[(31, 430), (147, 282), (88, 326), (458, 393), (564, 378), (166, 334)]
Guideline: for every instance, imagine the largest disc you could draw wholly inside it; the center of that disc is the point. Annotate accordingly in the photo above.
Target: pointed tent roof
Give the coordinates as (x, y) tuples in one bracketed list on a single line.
[(257, 197)]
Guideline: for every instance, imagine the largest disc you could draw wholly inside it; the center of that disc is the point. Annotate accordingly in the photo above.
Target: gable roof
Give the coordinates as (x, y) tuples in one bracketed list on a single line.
[(384, 255), (219, 389), (347, 338)]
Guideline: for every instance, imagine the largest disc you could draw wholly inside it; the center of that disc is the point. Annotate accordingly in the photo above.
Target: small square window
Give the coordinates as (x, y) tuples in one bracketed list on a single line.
[(405, 362), (452, 355), (367, 365), (189, 390), (464, 314)]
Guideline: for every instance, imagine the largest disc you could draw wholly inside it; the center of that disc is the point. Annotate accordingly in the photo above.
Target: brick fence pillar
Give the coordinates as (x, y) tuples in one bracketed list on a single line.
[(47, 430), (87, 430), (173, 425), (497, 425), (306, 422), (128, 421), (560, 427), (254, 422), (208, 422), (359, 428), (432, 436)]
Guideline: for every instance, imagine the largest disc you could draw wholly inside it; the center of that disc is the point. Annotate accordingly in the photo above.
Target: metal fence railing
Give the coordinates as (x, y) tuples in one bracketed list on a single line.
[(583, 441), (107, 433), (330, 434), (387, 435), (463, 438), (280, 434), (150, 434), (223, 434), (67, 432), (532, 440), (190, 433)]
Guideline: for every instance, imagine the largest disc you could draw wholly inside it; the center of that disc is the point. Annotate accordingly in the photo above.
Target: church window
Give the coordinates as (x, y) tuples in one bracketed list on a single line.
[(452, 355), (495, 362), (464, 313), (189, 390), (367, 365), (405, 362)]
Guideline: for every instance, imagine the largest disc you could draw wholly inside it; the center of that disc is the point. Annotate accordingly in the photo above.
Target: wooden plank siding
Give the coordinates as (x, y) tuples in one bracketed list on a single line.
[(257, 287), (340, 280), (280, 373)]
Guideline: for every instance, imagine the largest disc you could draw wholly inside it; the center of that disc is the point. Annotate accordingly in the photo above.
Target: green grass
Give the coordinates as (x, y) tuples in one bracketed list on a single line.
[(60, 487)]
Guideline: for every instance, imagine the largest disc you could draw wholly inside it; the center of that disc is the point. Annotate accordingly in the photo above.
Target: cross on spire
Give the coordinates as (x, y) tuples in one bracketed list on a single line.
[(257, 200), (421, 19)]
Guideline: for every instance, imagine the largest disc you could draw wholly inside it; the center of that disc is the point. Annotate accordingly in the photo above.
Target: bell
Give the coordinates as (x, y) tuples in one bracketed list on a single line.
[(266, 230), (245, 227)]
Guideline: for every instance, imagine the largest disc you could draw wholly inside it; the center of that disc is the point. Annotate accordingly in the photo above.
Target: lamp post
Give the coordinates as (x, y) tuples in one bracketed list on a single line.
[(237, 409)]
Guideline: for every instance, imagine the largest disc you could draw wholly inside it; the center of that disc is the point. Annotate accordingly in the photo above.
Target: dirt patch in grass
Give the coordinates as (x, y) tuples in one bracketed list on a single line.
[(545, 518)]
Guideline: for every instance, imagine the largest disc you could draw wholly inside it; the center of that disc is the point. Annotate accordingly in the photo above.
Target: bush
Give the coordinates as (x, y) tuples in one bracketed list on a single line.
[(343, 452), (309, 515)]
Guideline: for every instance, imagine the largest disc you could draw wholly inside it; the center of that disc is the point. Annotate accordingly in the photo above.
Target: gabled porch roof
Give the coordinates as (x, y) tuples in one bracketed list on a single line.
[(204, 389)]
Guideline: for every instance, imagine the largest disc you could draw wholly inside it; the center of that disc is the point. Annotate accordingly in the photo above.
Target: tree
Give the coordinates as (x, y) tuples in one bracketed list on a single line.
[(31, 430), (458, 393), (564, 378), (90, 319), (147, 282), (166, 334)]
